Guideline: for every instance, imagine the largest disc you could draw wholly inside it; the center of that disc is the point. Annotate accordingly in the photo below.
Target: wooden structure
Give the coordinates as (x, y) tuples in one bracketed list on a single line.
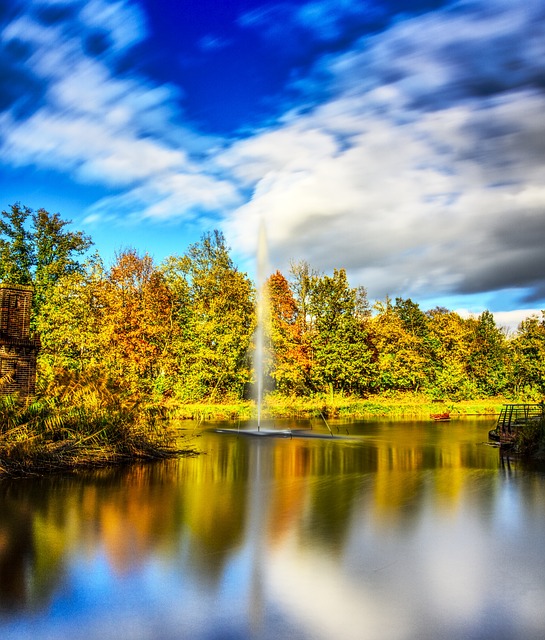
[(18, 349), (440, 417), (514, 416)]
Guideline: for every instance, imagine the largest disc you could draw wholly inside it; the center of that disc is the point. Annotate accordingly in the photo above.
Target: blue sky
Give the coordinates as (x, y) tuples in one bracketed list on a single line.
[(403, 141)]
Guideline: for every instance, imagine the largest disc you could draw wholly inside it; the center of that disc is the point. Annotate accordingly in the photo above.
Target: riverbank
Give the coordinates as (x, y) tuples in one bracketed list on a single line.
[(45, 437), (411, 405)]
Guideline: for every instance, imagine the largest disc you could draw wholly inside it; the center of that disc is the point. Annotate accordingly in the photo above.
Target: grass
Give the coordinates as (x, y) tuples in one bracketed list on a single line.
[(83, 425), (408, 405), (79, 423)]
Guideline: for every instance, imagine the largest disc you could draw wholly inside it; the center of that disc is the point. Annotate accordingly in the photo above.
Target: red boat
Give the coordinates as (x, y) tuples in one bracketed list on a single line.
[(440, 417)]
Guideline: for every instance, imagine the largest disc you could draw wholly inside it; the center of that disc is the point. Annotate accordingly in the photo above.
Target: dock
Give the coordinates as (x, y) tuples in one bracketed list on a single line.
[(514, 416)]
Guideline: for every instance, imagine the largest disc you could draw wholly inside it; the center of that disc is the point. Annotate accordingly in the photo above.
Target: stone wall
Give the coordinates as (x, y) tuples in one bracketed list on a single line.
[(18, 349)]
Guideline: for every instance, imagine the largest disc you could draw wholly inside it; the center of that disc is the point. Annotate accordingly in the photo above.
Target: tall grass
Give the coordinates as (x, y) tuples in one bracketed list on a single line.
[(81, 422)]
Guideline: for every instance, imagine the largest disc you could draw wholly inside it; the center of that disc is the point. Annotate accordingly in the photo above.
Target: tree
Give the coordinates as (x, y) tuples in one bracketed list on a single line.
[(55, 250), (487, 366), (72, 323), (401, 356), (341, 356), (449, 343), (412, 317), (37, 249), (302, 281), (220, 321), (138, 318), (17, 255), (290, 361), (528, 357)]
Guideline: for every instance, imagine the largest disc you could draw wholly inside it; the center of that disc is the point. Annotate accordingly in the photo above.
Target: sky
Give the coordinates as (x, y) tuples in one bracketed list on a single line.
[(402, 141)]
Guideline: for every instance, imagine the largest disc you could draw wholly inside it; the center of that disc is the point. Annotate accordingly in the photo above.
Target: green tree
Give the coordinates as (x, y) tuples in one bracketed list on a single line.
[(412, 317), (487, 366), (528, 356), (341, 357), (55, 251), (72, 321), (36, 248), (449, 343), (17, 254), (219, 322)]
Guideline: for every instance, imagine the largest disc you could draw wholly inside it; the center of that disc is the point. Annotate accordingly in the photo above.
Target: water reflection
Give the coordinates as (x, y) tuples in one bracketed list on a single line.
[(394, 532)]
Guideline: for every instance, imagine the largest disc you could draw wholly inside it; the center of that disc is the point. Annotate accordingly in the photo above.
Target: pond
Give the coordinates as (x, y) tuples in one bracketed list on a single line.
[(388, 531)]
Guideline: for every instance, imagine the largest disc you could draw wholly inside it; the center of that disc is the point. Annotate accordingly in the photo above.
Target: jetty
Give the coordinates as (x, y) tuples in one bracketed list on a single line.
[(514, 416)]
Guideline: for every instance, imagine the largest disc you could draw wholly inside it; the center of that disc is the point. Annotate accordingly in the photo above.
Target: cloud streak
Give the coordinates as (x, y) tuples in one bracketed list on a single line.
[(409, 151), (120, 131), (423, 169)]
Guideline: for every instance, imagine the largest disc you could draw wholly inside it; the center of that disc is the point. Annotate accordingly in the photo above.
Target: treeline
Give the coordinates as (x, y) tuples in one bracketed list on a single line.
[(184, 329)]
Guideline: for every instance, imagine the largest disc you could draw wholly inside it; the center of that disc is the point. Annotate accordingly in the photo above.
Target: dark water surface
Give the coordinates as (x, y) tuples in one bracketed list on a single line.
[(400, 530)]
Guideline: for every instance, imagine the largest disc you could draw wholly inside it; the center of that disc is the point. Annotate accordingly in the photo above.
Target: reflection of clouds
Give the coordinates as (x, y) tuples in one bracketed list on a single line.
[(310, 587), (456, 573), (452, 575), (460, 553)]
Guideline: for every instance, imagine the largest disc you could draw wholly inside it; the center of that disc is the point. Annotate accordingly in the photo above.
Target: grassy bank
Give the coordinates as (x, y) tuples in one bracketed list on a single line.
[(338, 406), (48, 436), (89, 426)]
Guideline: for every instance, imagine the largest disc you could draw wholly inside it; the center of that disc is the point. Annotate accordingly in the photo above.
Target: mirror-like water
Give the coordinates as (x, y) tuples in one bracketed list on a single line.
[(402, 530)]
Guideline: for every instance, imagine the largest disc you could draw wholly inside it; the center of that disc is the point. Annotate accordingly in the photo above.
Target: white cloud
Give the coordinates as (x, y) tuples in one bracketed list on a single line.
[(406, 176), (169, 196), (124, 132), (422, 171)]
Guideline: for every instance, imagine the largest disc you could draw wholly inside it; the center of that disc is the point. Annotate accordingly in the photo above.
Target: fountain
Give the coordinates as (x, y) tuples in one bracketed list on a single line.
[(260, 338), (262, 317)]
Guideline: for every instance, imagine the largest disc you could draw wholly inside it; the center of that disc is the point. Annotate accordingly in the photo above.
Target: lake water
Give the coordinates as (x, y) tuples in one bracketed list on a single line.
[(396, 531)]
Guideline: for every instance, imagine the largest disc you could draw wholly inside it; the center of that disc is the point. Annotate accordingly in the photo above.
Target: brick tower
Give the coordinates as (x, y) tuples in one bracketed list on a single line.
[(18, 350)]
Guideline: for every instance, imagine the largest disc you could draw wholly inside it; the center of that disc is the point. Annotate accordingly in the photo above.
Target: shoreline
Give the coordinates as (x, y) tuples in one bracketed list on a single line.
[(408, 406)]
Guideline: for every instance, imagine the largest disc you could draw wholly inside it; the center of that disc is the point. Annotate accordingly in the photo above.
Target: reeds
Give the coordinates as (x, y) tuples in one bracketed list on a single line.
[(80, 423)]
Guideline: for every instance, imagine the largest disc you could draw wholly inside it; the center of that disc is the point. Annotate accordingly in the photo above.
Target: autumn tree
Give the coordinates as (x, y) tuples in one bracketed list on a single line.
[(396, 335), (448, 340), (290, 361), (138, 318)]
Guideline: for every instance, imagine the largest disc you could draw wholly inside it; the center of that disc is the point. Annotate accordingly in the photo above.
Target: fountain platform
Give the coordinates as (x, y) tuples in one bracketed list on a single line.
[(284, 433)]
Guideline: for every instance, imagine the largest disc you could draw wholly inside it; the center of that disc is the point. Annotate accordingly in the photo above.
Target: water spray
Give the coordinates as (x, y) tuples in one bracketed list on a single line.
[(262, 265)]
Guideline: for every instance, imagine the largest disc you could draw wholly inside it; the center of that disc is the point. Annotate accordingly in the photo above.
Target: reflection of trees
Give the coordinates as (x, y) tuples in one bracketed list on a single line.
[(335, 469), (128, 511), (25, 572), (16, 550), (197, 511), (214, 494)]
